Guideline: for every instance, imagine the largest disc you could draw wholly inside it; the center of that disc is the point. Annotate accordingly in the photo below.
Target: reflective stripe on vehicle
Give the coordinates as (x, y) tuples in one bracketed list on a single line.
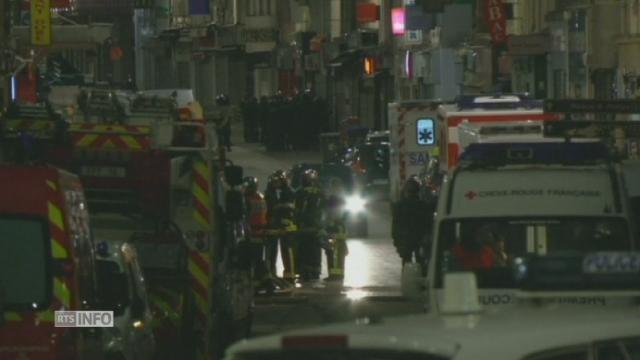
[(201, 189)]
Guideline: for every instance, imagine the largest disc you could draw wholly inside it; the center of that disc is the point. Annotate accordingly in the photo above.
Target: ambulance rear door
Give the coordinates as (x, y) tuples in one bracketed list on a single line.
[(412, 134)]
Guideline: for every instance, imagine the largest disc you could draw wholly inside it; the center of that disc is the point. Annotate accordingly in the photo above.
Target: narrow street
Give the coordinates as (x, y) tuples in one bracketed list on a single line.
[(372, 272)]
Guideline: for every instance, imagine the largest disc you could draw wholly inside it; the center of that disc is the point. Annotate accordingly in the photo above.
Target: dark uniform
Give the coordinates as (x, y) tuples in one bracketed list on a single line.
[(412, 221), (309, 216)]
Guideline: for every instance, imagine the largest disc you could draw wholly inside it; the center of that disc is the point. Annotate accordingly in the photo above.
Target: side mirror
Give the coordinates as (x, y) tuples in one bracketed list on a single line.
[(2, 306), (137, 308)]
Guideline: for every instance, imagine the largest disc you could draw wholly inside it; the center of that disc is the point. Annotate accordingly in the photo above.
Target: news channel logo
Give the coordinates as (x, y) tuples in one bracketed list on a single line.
[(84, 318)]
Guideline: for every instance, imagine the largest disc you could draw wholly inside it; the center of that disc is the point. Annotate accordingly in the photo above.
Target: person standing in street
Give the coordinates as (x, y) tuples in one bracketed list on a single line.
[(309, 215), (223, 124), (412, 219), (336, 248), (256, 208), (280, 199)]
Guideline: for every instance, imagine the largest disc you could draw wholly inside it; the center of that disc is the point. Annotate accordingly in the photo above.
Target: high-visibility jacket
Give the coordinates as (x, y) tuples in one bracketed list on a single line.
[(256, 214), (484, 258)]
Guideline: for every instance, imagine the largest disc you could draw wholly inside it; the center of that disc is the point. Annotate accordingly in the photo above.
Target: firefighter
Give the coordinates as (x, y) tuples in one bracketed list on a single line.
[(309, 216), (280, 198), (412, 219), (256, 208), (336, 248)]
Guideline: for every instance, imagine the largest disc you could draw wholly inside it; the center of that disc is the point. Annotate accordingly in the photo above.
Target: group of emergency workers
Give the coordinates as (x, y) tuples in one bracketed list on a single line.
[(297, 223), (284, 123)]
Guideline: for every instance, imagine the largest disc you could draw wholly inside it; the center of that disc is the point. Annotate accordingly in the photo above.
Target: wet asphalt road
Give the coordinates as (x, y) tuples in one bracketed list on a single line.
[(372, 271)]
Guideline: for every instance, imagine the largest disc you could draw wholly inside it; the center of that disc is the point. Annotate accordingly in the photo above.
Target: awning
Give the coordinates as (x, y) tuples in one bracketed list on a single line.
[(68, 36), (344, 58)]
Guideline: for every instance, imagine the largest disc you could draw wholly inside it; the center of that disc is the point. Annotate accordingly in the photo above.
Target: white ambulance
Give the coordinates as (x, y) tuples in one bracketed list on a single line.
[(504, 115), (413, 127), (510, 201)]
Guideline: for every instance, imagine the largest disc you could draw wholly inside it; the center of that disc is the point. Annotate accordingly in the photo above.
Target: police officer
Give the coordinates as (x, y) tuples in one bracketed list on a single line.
[(256, 209), (411, 223), (336, 248), (224, 121), (309, 215), (280, 199)]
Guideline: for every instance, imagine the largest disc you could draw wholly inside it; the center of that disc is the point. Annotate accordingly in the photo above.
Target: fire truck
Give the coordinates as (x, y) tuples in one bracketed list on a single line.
[(158, 182)]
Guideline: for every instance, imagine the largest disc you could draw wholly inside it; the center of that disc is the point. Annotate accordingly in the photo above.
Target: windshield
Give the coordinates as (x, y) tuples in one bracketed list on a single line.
[(375, 159), (338, 355), (114, 286), (25, 278), (488, 246)]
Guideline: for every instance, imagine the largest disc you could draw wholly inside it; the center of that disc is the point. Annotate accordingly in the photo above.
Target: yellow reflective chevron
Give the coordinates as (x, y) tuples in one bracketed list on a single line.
[(201, 194), (61, 292), (55, 216), (131, 142), (197, 273), (12, 316), (52, 185), (87, 140), (59, 252), (45, 316)]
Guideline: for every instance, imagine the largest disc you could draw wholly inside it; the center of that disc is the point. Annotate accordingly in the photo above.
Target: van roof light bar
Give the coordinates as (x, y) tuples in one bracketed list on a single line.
[(498, 102), (501, 154)]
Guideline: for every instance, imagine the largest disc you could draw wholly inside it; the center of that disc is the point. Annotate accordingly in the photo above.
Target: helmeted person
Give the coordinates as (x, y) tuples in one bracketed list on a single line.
[(223, 124), (336, 249), (412, 220), (310, 204), (256, 208), (280, 218)]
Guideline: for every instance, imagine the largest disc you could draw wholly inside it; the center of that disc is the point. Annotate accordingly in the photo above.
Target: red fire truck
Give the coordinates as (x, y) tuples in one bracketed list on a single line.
[(154, 181), (47, 264)]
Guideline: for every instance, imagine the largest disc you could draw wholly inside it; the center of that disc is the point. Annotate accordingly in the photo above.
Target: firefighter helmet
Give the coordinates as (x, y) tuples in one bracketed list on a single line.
[(309, 178), (412, 186), (278, 178), (222, 99), (250, 183)]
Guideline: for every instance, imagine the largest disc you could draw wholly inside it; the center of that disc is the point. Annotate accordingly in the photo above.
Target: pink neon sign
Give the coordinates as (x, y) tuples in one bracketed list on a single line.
[(397, 21)]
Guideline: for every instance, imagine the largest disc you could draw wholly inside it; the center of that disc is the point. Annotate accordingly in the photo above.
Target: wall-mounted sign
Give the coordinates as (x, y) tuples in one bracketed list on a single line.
[(368, 12), (495, 14), (41, 22)]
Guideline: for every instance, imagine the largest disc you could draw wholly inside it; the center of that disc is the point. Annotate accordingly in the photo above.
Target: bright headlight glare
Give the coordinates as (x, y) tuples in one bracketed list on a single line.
[(355, 204)]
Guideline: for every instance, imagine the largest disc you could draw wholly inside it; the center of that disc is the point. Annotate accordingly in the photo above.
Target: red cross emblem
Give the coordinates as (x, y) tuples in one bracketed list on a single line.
[(470, 195)]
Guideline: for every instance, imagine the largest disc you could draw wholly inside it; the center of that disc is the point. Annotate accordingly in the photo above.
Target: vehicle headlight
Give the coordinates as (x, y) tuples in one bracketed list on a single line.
[(355, 204)]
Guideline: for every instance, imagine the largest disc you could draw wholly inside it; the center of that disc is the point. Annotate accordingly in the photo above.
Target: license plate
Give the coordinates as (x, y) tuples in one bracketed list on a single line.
[(103, 171)]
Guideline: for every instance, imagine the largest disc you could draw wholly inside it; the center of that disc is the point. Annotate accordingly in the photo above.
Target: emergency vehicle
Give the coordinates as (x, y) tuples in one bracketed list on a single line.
[(525, 199), (48, 264), (464, 331), (514, 112), (122, 290), (156, 182), (413, 128)]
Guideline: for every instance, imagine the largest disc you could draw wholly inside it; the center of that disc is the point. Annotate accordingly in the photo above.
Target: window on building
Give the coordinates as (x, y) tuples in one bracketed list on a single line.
[(258, 7)]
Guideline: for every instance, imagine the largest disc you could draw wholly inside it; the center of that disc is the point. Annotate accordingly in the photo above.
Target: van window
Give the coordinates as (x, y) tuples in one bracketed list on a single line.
[(113, 287), (487, 246), (25, 262)]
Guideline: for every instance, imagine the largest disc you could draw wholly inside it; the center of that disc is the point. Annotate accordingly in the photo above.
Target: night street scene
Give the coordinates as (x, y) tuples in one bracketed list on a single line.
[(320, 179)]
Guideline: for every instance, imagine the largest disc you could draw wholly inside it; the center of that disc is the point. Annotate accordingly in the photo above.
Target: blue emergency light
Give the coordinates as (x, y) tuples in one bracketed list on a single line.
[(572, 271), (498, 102), (501, 154)]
